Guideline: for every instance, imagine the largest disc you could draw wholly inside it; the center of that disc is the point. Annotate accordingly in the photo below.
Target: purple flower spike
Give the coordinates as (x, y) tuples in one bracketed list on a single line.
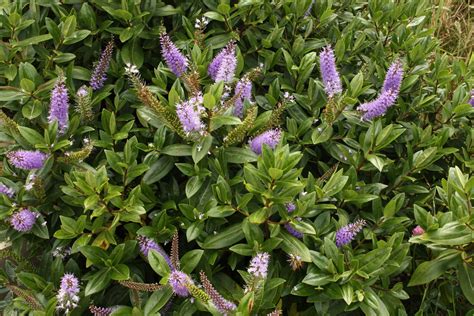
[(26, 159), (293, 231), (101, 311), (178, 281), (379, 106), (59, 105), (393, 78), (331, 80), (347, 233), (290, 207), (222, 67), (68, 293), (23, 220), (271, 138), (99, 74), (388, 95), (147, 244), (259, 265), (189, 114), (6, 190), (224, 306), (471, 101), (243, 89), (175, 60)]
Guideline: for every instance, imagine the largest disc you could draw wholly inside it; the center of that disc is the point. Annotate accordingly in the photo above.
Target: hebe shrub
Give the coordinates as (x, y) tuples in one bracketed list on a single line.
[(245, 158)]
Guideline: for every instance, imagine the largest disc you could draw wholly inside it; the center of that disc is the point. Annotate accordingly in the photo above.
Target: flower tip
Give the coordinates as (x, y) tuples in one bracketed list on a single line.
[(418, 230)]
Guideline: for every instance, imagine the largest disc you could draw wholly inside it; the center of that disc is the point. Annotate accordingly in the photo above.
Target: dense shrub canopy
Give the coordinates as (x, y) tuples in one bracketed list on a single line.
[(234, 158)]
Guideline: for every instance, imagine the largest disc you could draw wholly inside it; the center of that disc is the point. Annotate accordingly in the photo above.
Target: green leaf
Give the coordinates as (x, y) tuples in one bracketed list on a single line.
[(292, 245), (218, 121), (356, 85), (394, 205), (373, 305), (321, 134), (430, 270), (95, 254), (193, 185), (242, 249), (177, 150), (416, 21), (209, 101), (157, 300), (132, 53), (466, 280), (120, 272), (158, 263), (190, 260), (347, 293), (98, 282), (194, 230), (10, 94), (335, 184), (166, 10), (76, 37), (453, 233), (374, 259), (317, 279), (214, 16), (122, 14), (27, 85), (31, 136), (201, 148), (64, 58), (40, 230), (376, 161), (69, 25), (223, 239), (158, 170), (220, 211), (33, 40), (239, 155), (10, 72)]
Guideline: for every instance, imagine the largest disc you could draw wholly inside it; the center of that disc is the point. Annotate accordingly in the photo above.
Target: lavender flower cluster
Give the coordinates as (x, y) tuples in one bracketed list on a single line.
[(6, 190), (189, 113), (271, 138), (146, 244), (388, 95), (68, 293), (293, 231), (26, 159), (99, 74), (59, 105), (224, 306), (347, 233), (101, 311), (222, 67), (331, 79), (23, 220), (178, 280), (176, 61), (243, 91), (290, 208), (258, 267)]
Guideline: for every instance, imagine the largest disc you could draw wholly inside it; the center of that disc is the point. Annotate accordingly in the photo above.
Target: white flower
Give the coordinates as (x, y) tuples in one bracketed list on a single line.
[(131, 69)]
